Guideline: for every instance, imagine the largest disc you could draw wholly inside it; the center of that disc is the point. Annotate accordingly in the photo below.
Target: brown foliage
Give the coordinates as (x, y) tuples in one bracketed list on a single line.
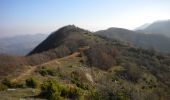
[(101, 56), (9, 64)]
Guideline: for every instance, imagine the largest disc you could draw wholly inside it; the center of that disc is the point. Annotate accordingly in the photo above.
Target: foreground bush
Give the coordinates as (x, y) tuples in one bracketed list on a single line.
[(3, 87), (32, 82), (52, 90), (52, 72), (8, 83), (79, 78)]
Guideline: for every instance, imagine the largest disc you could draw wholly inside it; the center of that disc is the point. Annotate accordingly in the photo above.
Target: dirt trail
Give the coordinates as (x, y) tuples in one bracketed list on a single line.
[(31, 69), (24, 74), (75, 53), (70, 56)]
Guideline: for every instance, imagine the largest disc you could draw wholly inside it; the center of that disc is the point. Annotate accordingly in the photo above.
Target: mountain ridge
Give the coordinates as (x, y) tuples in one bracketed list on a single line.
[(139, 39), (57, 37), (21, 44), (158, 27)]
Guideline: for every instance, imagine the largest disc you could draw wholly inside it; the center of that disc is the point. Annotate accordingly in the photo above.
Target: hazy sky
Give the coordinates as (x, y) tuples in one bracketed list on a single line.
[(45, 16)]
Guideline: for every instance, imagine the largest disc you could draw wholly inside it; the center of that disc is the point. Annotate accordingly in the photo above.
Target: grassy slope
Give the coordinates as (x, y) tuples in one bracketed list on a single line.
[(64, 66), (97, 79)]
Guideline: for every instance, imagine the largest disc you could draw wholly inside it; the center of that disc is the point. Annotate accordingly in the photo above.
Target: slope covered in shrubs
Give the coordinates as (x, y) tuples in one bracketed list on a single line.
[(73, 63)]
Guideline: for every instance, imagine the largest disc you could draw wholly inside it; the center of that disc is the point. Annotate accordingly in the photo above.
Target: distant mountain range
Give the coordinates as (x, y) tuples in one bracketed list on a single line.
[(144, 26), (158, 27), (21, 44), (150, 36), (157, 42)]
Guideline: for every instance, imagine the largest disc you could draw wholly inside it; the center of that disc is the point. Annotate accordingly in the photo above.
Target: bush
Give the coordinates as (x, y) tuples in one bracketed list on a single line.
[(74, 93), (43, 72), (52, 90), (94, 95), (79, 78), (101, 56), (119, 96), (3, 87), (32, 83), (80, 84), (134, 72), (8, 83), (52, 72)]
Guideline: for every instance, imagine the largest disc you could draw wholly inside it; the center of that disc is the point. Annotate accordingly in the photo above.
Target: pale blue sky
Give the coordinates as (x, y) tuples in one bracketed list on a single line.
[(45, 16)]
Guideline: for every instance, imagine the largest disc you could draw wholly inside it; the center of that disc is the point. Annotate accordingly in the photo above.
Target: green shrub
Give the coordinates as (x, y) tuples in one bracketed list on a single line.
[(43, 72), (52, 90), (32, 82), (74, 93), (80, 84), (79, 79), (8, 83), (94, 95), (52, 72), (3, 87), (65, 92), (120, 96)]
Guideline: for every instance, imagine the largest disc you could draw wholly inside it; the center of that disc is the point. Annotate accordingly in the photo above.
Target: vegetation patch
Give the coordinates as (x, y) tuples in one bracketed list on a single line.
[(52, 90), (101, 56), (32, 83), (8, 83), (47, 71), (132, 72), (79, 78), (3, 87)]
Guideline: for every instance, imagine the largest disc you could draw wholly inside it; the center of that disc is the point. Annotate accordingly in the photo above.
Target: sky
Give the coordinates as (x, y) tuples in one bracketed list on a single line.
[(44, 16)]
